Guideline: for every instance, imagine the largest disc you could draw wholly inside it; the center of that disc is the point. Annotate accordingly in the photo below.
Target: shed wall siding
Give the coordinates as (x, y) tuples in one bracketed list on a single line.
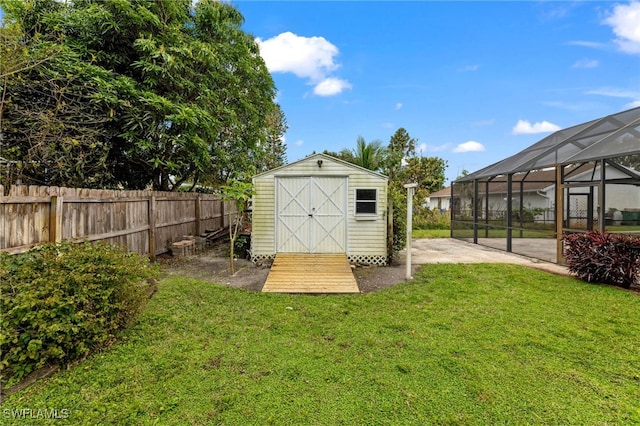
[(263, 218), (367, 237)]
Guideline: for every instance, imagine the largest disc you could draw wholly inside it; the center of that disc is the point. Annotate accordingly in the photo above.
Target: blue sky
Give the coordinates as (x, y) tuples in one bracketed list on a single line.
[(474, 82)]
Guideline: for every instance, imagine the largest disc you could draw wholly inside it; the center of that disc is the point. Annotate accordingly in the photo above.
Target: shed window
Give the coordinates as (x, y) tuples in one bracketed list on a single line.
[(366, 201)]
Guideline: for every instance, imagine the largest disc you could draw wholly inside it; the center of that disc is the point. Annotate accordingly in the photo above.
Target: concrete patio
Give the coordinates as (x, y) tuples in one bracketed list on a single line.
[(449, 250)]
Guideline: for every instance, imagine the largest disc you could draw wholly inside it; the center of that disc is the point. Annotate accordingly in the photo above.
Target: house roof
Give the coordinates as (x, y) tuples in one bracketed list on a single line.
[(443, 193), (321, 156), (608, 137)]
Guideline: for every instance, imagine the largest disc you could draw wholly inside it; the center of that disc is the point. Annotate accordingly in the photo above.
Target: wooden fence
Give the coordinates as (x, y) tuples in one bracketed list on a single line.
[(140, 220)]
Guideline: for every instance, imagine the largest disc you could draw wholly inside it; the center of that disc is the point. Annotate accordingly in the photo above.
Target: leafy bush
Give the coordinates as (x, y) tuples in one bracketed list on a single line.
[(399, 199), (603, 257), (431, 219), (62, 301)]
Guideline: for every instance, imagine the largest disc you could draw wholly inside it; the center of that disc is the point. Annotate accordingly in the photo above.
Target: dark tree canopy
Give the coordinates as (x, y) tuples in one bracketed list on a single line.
[(139, 93)]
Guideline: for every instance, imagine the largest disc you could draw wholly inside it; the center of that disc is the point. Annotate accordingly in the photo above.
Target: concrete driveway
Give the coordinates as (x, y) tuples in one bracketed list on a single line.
[(449, 250)]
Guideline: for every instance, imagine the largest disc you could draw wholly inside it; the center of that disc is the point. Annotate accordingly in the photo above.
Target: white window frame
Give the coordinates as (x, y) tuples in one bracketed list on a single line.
[(365, 216)]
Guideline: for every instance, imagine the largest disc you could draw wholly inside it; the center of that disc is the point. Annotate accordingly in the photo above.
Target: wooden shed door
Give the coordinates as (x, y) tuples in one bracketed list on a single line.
[(311, 214)]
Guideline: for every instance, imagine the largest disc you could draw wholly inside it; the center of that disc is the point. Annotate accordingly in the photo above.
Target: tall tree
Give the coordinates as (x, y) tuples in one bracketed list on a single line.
[(403, 166), (275, 148), (177, 93), (401, 146)]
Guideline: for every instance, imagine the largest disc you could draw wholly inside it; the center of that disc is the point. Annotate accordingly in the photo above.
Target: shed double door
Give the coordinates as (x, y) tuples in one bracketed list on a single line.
[(311, 214)]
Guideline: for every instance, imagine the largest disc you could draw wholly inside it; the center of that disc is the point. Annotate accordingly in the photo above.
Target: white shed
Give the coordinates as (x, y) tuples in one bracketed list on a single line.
[(320, 204)]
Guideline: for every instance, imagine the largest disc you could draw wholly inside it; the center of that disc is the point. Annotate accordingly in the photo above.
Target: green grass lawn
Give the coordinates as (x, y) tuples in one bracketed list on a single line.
[(431, 233), (461, 344)]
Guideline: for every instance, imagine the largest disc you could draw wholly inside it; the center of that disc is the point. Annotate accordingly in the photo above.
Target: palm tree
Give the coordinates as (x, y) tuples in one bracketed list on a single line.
[(368, 155)]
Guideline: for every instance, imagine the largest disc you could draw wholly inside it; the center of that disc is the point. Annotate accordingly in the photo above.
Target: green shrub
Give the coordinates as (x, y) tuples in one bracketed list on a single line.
[(431, 219), (62, 301), (527, 214), (399, 199)]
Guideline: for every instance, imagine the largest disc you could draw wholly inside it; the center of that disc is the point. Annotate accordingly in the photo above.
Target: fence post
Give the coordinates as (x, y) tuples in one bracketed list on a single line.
[(55, 219), (559, 213), (152, 227), (198, 213)]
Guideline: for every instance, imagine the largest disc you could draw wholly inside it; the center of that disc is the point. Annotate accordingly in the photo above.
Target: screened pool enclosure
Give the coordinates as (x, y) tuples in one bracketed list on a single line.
[(586, 177)]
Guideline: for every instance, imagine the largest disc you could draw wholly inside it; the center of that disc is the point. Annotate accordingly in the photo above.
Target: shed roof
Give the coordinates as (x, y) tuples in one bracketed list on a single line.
[(322, 156), (608, 137)]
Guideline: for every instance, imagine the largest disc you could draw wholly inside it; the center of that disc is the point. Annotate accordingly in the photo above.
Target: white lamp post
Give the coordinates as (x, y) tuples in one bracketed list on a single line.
[(411, 187)]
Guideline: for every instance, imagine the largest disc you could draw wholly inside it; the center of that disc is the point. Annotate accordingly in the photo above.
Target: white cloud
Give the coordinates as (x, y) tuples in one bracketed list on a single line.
[(633, 104), (556, 10), (614, 92), (624, 20), (311, 58), (434, 148), (299, 142), (590, 44), (331, 86), (524, 127), (586, 63), (423, 147), (398, 106), (470, 146), (469, 68)]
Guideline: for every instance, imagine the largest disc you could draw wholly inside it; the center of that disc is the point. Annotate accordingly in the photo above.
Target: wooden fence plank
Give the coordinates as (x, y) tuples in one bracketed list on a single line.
[(55, 219), (152, 227), (146, 221)]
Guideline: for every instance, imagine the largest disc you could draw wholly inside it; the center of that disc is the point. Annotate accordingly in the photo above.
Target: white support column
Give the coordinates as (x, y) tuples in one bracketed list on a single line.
[(411, 187)]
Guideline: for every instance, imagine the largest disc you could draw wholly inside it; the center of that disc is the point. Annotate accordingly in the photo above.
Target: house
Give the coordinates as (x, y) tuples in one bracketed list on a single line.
[(440, 200), (320, 204)]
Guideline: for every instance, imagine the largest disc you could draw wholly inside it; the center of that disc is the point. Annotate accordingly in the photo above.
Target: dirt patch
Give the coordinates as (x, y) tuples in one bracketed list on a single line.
[(212, 265), (209, 266), (378, 277)]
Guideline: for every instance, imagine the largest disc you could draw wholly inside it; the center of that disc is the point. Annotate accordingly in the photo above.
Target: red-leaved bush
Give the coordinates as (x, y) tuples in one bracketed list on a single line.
[(603, 257)]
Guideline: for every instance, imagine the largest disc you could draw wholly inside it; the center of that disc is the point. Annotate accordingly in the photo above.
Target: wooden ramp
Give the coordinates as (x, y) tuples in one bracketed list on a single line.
[(310, 273)]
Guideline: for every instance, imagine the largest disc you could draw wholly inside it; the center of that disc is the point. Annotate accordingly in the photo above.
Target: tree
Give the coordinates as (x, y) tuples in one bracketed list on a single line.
[(428, 173), (402, 166), (401, 146), (178, 93), (276, 149), (462, 174), (239, 193), (52, 126), (631, 161), (53, 129), (368, 155)]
